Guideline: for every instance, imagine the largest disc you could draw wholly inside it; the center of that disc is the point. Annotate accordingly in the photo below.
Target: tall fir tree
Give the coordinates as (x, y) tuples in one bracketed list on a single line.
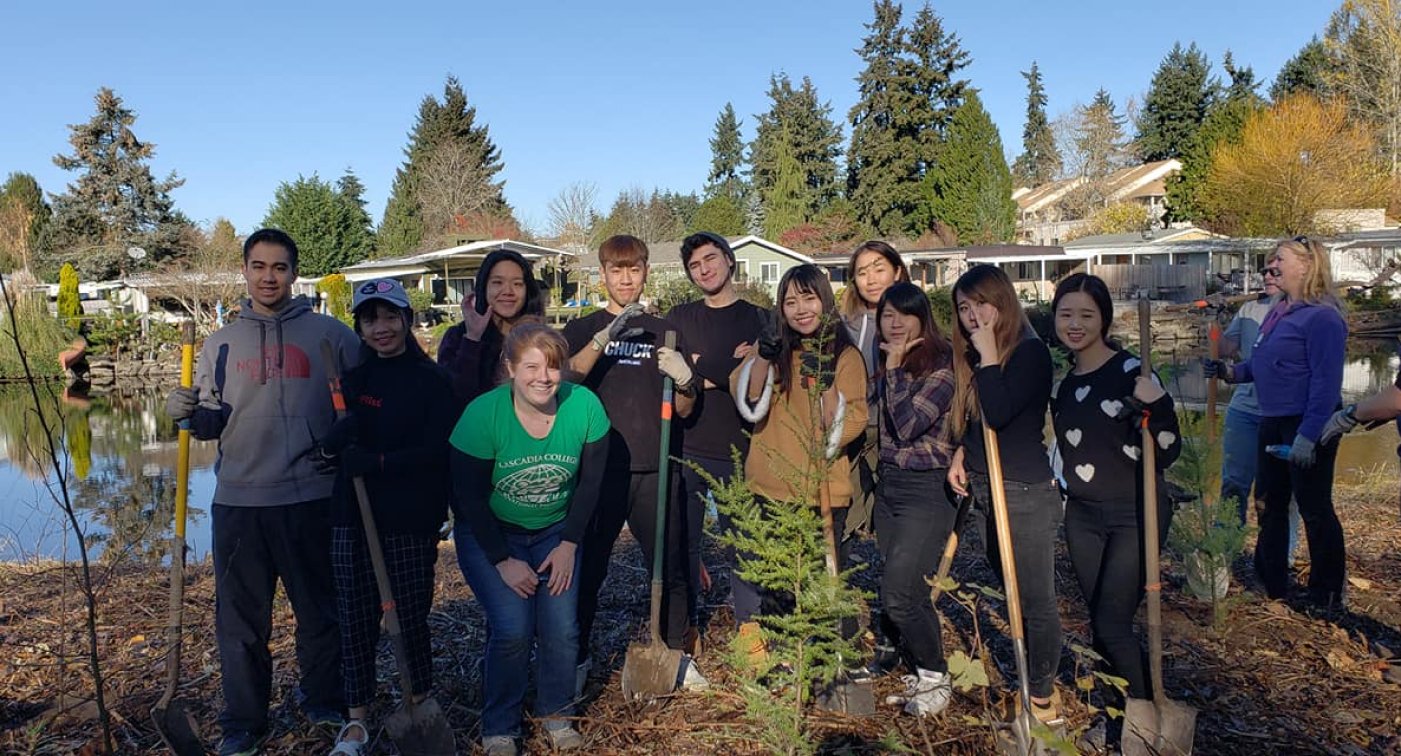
[(803, 124), (24, 216), (324, 222), (115, 203), (359, 239), (1176, 105), (449, 122), (1223, 126), (970, 188), (786, 199), (1307, 71), (907, 95), (1040, 160), (727, 159)]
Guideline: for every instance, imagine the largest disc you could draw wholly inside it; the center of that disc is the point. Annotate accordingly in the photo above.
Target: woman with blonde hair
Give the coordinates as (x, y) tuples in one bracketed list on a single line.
[(1297, 368), (1002, 377)]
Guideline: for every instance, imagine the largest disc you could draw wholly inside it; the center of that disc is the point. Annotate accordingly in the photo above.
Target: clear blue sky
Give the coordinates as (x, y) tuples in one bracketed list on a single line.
[(242, 96)]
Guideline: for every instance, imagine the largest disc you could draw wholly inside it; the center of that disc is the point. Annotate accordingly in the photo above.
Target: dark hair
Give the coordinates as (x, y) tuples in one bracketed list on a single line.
[(271, 236), (851, 298), (934, 351), (411, 344), (534, 302), (695, 241), (622, 250), (808, 278), (1098, 292)]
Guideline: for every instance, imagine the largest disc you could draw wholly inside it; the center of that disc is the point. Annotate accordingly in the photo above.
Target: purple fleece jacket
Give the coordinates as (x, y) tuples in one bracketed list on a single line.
[(1297, 366)]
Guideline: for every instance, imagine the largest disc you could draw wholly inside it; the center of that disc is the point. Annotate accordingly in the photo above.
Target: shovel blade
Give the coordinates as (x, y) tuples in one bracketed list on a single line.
[(650, 670), (1166, 730), (421, 730), (847, 697), (177, 728)]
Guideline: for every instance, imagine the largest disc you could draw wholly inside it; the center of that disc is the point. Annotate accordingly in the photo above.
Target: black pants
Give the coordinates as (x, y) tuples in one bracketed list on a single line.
[(409, 561), (631, 497), (1033, 513), (775, 602), (913, 522), (1313, 490), (1105, 541), (696, 495), (254, 547)]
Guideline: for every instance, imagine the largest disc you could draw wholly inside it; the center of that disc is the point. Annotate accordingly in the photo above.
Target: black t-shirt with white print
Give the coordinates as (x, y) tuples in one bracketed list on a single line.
[(1096, 457), (627, 381)]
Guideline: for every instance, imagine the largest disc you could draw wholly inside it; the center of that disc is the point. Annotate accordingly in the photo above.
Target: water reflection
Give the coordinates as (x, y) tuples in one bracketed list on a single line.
[(118, 452)]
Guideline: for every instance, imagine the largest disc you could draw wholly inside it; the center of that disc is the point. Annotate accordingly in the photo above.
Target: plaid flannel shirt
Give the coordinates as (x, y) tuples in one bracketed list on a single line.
[(913, 413)]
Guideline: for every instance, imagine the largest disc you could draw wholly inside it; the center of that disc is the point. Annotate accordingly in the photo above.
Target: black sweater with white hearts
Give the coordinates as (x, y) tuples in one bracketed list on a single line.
[(1096, 457)]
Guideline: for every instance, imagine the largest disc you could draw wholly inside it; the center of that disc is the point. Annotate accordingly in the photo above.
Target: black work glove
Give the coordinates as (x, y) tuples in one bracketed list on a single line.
[(323, 461), (770, 343), (1217, 369), (342, 434), (357, 461)]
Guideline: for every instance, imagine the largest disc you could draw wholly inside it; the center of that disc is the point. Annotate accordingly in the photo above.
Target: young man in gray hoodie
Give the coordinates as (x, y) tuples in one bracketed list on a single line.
[(261, 390)]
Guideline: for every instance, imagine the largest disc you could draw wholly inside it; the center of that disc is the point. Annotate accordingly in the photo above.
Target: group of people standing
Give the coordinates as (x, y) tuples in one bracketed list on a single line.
[(542, 444)]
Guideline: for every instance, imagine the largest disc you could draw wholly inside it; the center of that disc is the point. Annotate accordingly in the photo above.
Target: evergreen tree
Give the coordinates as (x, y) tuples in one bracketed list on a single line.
[(803, 124), (1243, 83), (971, 187), (322, 220), (1223, 125), (359, 240), (24, 215), (719, 215), (1040, 159), (726, 159), (1176, 104), (115, 203), (1098, 151), (907, 95), (450, 126), (1307, 71), (68, 304), (785, 203)]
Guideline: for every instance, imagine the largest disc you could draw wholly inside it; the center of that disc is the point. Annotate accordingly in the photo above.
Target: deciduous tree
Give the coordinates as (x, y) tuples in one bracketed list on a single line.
[(1364, 39), (24, 214), (1294, 159)]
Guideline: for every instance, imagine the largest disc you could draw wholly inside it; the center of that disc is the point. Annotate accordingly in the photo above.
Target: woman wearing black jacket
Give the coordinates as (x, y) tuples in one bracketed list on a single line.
[(395, 438), (504, 293), (1002, 375)]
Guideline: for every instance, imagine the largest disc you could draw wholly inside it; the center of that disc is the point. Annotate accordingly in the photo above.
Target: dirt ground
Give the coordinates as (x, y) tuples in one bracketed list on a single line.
[(1272, 679)]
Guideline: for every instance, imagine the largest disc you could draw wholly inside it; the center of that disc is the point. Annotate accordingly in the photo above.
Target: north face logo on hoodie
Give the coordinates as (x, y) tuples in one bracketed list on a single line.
[(294, 363)]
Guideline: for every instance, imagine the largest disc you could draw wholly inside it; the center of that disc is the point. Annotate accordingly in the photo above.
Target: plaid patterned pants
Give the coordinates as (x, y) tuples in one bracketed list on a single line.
[(409, 560)]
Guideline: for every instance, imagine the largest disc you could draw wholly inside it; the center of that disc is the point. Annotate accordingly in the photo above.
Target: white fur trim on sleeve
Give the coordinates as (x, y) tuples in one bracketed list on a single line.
[(761, 408), (834, 438)]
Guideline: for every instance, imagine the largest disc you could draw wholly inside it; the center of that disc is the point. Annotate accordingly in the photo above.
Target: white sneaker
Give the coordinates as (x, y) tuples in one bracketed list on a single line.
[(565, 738), (499, 745), (347, 747), (693, 681), (926, 694)]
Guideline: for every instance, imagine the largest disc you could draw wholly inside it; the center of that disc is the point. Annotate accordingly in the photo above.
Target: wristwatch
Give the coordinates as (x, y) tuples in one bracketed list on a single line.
[(689, 389)]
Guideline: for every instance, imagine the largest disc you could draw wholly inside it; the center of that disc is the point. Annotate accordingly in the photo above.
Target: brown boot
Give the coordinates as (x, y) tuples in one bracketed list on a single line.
[(750, 640)]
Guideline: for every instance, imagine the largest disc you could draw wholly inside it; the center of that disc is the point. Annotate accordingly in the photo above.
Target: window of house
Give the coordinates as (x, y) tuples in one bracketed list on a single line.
[(768, 272), (741, 271)]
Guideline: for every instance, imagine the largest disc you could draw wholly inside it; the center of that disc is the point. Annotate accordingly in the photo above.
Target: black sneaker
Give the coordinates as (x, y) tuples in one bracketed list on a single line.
[(887, 658), (240, 743)]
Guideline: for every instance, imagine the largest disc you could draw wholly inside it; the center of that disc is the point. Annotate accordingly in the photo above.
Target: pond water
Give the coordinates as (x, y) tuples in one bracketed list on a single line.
[(119, 450)]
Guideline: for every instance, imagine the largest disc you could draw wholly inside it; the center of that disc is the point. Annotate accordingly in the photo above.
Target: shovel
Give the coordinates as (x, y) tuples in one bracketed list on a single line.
[(1159, 727), (965, 504), (173, 721), (418, 729), (651, 669), (1022, 723), (843, 695)]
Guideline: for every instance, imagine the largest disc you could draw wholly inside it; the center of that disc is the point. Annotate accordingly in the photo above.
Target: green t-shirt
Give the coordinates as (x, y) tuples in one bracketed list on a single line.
[(532, 478)]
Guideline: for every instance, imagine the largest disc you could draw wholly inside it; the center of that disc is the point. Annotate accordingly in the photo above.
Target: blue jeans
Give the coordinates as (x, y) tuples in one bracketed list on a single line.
[(1238, 462), (514, 625)]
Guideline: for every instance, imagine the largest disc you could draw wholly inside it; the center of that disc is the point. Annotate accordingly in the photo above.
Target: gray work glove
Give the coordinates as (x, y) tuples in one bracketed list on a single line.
[(181, 403), (1342, 422), (618, 330), (1302, 453)]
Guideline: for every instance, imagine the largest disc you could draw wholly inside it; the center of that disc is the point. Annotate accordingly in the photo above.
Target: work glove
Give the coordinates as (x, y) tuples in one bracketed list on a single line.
[(770, 343), (181, 403), (323, 461), (1342, 422), (342, 434), (357, 461), (671, 363), (1217, 369), (618, 330), (1302, 453)]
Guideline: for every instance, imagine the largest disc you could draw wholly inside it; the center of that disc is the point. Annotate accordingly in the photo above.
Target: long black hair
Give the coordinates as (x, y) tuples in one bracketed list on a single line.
[(1098, 292), (934, 351), (831, 333), (534, 302)]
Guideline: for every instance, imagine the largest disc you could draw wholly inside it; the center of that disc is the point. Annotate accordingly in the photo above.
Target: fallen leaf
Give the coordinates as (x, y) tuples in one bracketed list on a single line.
[(1361, 584), (1338, 660)]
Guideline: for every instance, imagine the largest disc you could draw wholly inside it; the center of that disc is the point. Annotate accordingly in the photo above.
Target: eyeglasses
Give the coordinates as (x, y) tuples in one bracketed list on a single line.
[(1272, 271)]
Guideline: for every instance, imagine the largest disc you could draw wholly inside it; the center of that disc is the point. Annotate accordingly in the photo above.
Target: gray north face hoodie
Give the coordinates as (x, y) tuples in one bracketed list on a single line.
[(264, 394)]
